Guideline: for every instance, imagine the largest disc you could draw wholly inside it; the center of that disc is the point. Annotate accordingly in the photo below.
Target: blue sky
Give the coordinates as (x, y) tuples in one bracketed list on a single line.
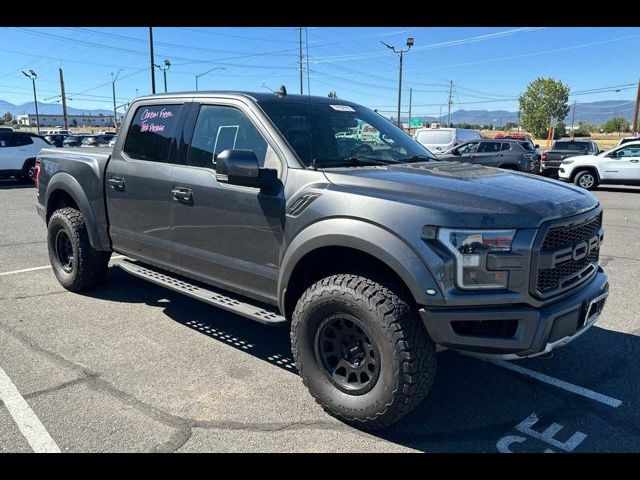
[(488, 66)]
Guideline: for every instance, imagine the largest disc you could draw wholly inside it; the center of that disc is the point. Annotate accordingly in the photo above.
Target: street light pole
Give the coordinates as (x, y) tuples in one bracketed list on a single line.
[(164, 69), (200, 75), (113, 87), (32, 76), (401, 52)]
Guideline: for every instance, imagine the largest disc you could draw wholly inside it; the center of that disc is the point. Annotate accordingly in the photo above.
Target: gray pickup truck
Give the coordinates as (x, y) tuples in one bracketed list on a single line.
[(278, 208), (562, 149)]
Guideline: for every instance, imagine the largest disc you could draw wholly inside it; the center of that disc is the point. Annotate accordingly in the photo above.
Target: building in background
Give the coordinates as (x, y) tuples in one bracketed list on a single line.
[(99, 120)]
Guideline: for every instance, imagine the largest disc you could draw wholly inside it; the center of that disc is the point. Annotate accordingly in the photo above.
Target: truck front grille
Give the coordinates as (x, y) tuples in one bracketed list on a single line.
[(559, 237), (571, 272)]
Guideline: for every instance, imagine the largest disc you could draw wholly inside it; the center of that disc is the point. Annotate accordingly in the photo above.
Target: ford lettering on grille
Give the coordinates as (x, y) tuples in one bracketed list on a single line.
[(576, 253), (568, 256)]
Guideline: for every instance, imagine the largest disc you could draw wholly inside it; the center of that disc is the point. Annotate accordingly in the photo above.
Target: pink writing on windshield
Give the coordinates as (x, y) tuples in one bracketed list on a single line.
[(151, 127), (150, 114)]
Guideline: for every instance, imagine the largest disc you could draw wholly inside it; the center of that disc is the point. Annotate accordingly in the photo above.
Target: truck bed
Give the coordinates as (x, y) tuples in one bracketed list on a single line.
[(80, 170)]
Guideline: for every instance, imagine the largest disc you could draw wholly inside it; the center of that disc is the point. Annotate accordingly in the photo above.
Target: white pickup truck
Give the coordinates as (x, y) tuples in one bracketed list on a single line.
[(618, 165)]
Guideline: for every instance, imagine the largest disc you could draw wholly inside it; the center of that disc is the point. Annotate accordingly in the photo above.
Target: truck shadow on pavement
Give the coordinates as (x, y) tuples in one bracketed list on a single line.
[(473, 405)]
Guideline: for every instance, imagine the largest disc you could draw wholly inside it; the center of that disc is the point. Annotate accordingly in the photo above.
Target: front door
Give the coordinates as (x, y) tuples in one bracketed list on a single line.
[(623, 165), (227, 235), (138, 184)]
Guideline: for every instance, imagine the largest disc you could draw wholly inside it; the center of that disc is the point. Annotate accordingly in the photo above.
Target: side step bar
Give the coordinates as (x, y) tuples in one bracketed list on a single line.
[(164, 279)]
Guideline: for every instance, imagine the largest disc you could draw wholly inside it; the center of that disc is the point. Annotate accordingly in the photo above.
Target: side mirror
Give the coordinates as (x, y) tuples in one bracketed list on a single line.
[(536, 146), (241, 167), (456, 153)]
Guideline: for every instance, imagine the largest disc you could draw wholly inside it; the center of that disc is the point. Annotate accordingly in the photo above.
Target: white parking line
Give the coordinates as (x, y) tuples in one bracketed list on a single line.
[(28, 423), (24, 270), (569, 387)]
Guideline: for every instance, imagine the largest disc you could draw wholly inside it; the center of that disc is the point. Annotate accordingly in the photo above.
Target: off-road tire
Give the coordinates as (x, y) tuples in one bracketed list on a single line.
[(88, 265), (407, 353)]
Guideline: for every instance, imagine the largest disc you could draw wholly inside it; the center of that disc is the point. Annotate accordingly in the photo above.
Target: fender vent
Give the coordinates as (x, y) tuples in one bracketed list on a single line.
[(300, 203)]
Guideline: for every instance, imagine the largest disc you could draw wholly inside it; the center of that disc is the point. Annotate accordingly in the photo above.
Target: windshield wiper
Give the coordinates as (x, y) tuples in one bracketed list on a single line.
[(415, 159), (347, 162)]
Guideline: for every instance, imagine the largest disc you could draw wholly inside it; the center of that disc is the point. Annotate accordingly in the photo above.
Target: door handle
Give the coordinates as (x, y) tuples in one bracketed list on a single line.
[(116, 183), (634, 160), (500, 155), (182, 194)]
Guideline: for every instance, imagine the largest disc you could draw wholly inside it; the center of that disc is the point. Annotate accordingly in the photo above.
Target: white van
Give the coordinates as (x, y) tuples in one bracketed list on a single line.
[(440, 140)]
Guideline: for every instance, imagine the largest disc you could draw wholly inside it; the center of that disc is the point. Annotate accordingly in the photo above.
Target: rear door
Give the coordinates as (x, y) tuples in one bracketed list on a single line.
[(489, 153), (227, 235), (625, 165), (138, 182)]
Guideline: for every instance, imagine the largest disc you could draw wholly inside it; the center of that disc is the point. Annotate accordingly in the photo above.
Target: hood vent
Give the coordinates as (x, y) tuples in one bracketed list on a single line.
[(301, 203)]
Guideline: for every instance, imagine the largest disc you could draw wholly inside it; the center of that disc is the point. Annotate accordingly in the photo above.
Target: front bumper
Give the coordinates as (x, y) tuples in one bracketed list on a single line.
[(527, 331)]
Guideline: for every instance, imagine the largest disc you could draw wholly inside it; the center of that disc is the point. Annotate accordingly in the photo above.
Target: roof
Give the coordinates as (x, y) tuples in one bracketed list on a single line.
[(255, 96)]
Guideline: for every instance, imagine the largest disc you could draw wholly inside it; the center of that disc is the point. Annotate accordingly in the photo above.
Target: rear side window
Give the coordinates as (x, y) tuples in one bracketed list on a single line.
[(489, 147), (151, 132)]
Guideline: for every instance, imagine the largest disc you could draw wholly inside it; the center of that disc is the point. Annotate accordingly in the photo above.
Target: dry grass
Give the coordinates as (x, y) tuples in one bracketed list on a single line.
[(605, 141)]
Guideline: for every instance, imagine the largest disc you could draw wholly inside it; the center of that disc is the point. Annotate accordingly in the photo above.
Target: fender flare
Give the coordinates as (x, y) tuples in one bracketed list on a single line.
[(368, 238), (68, 184)]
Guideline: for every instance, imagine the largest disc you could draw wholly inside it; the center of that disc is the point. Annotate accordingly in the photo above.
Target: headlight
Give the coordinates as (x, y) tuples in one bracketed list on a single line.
[(470, 248), (567, 162)]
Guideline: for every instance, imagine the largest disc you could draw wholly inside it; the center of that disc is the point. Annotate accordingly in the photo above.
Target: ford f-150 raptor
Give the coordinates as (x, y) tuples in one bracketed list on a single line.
[(370, 250)]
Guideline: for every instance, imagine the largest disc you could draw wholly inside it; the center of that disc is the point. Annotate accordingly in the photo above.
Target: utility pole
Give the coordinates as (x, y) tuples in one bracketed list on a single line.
[(300, 56), (113, 88), (153, 73), (449, 114), (635, 112), (410, 99), (573, 117), (64, 101)]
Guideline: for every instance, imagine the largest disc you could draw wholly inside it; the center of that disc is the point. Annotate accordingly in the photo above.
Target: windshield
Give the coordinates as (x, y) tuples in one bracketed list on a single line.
[(435, 137), (342, 135)]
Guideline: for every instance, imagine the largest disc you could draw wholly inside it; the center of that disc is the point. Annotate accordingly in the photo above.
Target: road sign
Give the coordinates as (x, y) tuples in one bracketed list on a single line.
[(415, 122), (554, 122)]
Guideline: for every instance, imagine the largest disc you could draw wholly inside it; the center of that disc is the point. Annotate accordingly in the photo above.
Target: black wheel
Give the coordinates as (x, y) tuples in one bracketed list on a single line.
[(28, 174), (586, 180), (361, 351), (76, 264)]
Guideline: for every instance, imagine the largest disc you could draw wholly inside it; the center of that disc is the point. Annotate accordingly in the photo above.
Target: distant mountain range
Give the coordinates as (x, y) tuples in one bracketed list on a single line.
[(591, 112), (48, 109)]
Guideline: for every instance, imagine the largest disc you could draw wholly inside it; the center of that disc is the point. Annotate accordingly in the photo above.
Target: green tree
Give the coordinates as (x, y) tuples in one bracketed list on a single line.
[(617, 124), (7, 118), (333, 95), (544, 98)]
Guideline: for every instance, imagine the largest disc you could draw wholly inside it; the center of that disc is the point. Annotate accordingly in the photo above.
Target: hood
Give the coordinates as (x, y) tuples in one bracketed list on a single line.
[(468, 195), (588, 158)]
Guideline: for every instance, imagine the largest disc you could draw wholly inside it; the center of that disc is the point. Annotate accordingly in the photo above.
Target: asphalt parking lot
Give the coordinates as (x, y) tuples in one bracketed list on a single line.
[(134, 367)]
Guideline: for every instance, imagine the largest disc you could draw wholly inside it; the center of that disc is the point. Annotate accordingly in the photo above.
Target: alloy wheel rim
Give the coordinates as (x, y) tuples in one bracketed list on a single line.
[(64, 251), (347, 354), (586, 181)]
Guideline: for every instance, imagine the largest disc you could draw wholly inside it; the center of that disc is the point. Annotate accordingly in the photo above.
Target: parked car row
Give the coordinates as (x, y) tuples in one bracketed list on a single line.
[(18, 150), (572, 160)]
